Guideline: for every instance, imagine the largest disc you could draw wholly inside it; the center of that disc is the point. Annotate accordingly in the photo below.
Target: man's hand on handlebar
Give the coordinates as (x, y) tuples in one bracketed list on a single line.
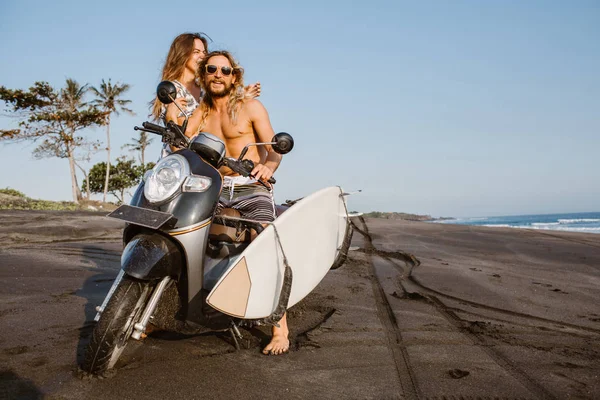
[(262, 172)]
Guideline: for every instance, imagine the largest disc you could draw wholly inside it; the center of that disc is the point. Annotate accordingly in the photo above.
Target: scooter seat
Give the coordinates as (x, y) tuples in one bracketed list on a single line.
[(220, 232), (280, 209)]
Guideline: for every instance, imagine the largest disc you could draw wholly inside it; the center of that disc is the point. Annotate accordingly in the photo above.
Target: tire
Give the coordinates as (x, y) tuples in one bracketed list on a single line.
[(343, 253), (113, 330)]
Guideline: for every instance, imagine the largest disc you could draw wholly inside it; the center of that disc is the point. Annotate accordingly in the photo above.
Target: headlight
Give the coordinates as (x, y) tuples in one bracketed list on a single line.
[(166, 178), (196, 183)]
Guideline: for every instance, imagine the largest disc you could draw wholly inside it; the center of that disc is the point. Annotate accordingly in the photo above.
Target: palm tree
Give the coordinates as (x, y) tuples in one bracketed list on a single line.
[(73, 93), (108, 99), (71, 98), (139, 144)]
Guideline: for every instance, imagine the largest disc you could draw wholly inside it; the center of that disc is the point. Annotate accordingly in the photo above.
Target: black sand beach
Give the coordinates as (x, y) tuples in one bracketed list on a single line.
[(419, 311)]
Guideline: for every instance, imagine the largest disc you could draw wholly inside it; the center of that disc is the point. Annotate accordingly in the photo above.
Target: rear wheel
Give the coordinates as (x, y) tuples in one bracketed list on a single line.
[(343, 252), (115, 326)]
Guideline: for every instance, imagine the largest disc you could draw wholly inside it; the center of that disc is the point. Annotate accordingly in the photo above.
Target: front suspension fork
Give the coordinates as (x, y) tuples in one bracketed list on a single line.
[(101, 308), (140, 327)]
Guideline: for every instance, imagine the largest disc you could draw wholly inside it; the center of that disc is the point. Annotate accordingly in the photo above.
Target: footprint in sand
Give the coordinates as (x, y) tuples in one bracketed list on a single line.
[(13, 351), (458, 373), (37, 362)]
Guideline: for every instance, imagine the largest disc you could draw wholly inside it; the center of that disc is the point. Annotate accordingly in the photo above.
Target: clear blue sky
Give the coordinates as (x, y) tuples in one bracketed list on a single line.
[(449, 108)]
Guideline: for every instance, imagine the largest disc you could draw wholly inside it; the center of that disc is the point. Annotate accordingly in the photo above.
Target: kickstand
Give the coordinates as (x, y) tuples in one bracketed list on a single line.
[(235, 335)]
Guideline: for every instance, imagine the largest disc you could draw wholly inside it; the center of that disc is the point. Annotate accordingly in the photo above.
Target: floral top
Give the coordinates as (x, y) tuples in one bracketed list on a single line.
[(192, 104)]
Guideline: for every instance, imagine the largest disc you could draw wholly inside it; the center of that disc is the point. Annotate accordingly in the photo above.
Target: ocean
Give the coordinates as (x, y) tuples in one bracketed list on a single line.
[(575, 222)]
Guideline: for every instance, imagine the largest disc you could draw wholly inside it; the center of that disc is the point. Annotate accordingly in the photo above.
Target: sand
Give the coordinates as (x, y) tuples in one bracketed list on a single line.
[(419, 310)]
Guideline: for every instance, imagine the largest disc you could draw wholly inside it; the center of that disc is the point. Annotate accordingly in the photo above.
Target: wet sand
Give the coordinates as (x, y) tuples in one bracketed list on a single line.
[(419, 311)]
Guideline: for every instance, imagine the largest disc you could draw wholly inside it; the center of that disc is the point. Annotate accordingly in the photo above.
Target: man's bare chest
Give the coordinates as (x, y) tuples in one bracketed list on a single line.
[(221, 126)]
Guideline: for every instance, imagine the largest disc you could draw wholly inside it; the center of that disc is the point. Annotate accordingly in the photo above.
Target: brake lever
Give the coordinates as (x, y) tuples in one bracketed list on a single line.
[(178, 136)]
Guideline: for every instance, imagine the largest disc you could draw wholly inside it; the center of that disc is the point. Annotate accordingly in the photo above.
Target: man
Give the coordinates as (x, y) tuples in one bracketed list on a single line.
[(238, 121)]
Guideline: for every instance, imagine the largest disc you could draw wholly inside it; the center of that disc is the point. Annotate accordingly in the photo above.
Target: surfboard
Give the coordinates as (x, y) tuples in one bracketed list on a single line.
[(309, 234)]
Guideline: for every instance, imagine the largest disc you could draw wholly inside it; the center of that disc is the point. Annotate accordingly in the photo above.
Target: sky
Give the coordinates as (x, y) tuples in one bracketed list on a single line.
[(447, 108)]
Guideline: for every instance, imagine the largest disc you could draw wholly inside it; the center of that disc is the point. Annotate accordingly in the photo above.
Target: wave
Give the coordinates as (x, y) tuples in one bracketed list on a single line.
[(595, 230), (552, 226), (567, 229), (560, 228), (577, 221)]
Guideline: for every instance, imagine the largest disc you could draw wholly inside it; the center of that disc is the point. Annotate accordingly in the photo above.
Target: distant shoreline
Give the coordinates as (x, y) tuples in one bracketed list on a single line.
[(405, 216)]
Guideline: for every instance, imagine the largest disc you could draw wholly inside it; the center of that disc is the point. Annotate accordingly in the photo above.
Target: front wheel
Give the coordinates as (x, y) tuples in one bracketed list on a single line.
[(115, 325)]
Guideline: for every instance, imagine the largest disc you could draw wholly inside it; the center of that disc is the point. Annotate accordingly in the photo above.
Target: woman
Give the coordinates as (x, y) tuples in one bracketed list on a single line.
[(181, 67)]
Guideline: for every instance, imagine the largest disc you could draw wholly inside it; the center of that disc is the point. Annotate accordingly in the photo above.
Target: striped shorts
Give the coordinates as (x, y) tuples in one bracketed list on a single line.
[(253, 201)]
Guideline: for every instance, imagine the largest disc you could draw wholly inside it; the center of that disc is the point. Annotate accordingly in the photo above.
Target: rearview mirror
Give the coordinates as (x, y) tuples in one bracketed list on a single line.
[(284, 143), (166, 92)]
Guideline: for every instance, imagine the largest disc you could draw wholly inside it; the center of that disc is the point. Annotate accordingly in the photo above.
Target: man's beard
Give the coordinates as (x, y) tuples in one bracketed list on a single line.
[(215, 94)]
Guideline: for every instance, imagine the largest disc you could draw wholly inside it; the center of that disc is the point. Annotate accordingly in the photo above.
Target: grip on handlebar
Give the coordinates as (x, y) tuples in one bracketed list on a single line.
[(154, 127), (244, 168)]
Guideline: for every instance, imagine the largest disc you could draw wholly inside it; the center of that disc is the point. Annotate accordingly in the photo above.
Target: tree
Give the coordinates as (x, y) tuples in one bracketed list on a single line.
[(139, 144), (86, 156), (124, 175), (54, 117), (108, 99)]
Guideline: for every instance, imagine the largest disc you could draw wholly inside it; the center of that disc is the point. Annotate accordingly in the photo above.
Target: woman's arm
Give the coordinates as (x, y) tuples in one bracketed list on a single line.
[(173, 113)]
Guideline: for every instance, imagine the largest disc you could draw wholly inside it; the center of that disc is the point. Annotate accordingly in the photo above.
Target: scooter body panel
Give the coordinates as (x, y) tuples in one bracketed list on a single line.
[(177, 249), (194, 244), (151, 256)]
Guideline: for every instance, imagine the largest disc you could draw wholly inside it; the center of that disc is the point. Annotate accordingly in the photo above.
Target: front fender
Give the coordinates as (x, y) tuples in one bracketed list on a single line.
[(151, 256)]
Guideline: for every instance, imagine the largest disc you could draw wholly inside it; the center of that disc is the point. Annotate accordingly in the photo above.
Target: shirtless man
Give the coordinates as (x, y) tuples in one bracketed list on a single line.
[(227, 114)]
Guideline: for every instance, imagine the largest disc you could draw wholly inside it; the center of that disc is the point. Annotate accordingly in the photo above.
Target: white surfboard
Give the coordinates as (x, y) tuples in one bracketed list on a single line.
[(311, 233)]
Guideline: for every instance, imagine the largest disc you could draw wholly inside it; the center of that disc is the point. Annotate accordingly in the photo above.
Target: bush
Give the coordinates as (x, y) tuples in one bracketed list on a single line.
[(12, 192)]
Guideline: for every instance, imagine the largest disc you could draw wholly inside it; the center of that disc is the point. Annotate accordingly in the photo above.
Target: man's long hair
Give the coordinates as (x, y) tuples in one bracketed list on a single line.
[(236, 96), (179, 53)]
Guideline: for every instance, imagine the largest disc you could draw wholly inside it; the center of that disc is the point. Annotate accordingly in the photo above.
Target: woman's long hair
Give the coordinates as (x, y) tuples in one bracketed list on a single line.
[(236, 96), (180, 51)]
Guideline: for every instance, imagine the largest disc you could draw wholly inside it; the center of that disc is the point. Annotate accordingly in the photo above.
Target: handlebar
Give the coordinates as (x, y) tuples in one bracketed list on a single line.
[(151, 128), (171, 134)]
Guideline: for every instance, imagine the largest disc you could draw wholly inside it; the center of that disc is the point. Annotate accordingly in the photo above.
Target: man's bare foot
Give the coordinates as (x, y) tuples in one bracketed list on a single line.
[(279, 343)]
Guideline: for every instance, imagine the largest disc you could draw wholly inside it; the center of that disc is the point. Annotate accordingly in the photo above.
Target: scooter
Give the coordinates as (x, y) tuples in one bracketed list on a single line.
[(175, 248)]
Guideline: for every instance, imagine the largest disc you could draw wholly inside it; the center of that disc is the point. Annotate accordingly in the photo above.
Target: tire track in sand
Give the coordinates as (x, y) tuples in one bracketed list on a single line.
[(405, 275), (406, 373)]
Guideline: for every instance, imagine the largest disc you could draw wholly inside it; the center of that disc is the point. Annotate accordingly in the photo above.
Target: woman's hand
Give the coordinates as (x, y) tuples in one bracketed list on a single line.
[(172, 110), (252, 91)]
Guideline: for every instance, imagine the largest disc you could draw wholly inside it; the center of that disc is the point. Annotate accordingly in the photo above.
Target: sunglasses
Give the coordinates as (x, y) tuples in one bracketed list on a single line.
[(211, 69)]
